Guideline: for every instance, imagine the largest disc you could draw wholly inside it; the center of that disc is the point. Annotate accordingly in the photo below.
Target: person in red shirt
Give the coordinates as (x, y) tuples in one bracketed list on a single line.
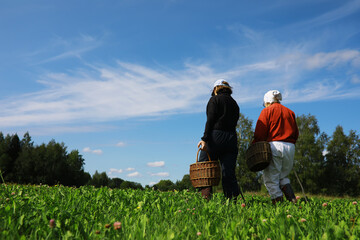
[(277, 125)]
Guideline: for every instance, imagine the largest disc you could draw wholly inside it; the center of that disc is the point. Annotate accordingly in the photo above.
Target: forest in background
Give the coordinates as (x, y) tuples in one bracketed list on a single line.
[(327, 165)]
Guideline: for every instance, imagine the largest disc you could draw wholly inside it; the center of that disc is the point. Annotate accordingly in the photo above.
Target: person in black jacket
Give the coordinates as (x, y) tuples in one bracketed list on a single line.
[(220, 138)]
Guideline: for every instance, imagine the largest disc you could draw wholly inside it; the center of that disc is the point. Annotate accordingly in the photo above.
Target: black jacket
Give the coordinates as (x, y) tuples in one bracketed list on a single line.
[(222, 114)]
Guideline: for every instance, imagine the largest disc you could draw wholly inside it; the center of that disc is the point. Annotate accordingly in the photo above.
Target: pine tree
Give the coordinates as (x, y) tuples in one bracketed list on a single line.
[(342, 169), (24, 166)]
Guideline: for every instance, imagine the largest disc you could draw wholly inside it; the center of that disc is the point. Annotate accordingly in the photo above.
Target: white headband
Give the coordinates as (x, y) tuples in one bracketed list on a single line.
[(221, 82), (272, 96)]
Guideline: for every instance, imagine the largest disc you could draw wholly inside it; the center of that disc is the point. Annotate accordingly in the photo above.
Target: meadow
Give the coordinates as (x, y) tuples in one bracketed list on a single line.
[(58, 212)]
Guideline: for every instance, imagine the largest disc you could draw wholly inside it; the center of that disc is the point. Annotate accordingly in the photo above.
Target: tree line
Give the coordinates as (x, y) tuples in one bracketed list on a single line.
[(101, 180), (24, 163), (328, 165)]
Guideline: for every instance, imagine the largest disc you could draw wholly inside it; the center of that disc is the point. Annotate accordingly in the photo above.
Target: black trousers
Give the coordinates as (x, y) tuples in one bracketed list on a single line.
[(222, 146)]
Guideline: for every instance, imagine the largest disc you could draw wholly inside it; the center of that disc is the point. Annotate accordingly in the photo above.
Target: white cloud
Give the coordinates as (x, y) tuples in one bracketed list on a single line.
[(86, 149), (160, 174), (134, 174), (321, 60), (114, 170), (156, 164), (130, 169), (110, 94), (152, 183), (95, 151), (120, 144), (101, 94)]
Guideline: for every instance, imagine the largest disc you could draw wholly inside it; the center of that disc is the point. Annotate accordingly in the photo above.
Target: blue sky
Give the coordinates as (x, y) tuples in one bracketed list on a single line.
[(127, 82)]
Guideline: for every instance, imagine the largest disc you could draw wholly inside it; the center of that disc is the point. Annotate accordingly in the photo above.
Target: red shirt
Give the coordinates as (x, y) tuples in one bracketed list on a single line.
[(276, 123)]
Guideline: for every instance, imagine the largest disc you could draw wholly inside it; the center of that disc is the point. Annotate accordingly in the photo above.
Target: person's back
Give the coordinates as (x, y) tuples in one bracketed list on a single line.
[(276, 123), (227, 112)]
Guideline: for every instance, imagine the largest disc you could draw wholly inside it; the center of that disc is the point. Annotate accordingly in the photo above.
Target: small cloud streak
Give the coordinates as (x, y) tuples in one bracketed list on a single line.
[(121, 144), (63, 49), (130, 169), (95, 151), (156, 164), (134, 174), (114, 170), (160, 174), (152, 183), (351, 7), (328, 60)]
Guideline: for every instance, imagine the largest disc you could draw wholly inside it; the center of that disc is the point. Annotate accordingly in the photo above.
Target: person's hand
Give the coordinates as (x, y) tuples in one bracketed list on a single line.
[(202, 145)]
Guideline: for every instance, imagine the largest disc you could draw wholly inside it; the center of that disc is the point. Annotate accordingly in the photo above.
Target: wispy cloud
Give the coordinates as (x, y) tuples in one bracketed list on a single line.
[(333, 59), (61, 48), (345, 10), (126, 90), (160, 174), (130, 169), (114, 170), (245, 32), (121, 144), (152, 183), (134, 174), (156, 164), (111, 94), (95, 151)]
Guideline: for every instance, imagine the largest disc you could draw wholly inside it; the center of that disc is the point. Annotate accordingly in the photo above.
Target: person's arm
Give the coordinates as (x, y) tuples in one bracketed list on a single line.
[(211, 118), (262, 128)]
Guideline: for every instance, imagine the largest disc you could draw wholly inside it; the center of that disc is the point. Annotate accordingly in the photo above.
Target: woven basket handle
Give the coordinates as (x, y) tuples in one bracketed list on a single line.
[(197, 154)]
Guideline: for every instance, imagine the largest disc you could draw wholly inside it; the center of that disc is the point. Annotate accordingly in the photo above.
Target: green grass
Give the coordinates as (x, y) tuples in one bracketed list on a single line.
[(89, 213)]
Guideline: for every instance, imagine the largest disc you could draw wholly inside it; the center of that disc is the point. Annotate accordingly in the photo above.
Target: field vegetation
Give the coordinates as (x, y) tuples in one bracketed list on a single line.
[(58, 212)]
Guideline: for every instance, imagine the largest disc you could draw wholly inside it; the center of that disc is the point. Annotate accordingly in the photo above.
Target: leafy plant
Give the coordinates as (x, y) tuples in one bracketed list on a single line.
[(58, 212)]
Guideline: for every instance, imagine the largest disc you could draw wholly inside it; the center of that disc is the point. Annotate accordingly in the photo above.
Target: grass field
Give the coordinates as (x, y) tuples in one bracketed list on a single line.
[(43, 212)]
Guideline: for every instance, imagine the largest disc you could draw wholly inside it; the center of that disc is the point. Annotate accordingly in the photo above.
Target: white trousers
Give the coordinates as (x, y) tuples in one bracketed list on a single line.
[(275, 175)]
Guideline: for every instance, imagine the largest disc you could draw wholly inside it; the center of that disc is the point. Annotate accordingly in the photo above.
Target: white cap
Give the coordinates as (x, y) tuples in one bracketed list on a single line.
[(272, 96), (221, 82)]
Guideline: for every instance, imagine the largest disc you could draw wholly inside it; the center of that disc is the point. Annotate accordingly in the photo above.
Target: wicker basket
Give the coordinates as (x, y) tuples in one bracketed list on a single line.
[(204, 174), (258, 156)]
